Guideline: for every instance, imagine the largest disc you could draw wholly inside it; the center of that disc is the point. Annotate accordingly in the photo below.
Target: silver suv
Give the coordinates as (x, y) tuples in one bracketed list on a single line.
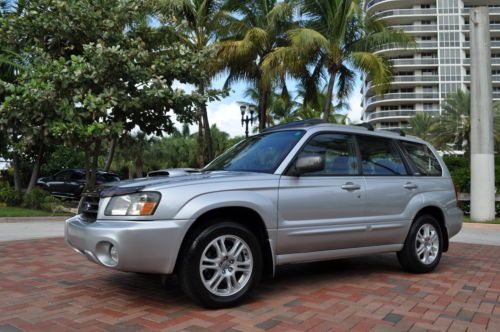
[(296, 193)]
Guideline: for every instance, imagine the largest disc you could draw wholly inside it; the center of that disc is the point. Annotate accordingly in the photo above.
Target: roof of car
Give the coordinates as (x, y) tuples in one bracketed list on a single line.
[(82, 170), (367, 129)]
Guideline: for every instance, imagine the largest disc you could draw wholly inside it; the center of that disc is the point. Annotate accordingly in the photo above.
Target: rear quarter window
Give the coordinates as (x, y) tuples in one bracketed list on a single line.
[(422, 158)]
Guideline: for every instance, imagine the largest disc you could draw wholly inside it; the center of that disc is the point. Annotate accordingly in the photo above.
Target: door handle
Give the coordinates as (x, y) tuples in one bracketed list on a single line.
[(410, 186), (351, 186)]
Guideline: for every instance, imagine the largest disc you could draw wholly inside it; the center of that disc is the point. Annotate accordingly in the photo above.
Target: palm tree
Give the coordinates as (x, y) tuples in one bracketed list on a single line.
[(258, 29), (453, 129), (337, 39), (202, 23), (423, 125), (454, 124), (281, 105)]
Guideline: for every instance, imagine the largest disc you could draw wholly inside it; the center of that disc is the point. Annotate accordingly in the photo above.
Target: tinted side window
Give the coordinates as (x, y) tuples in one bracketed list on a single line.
[(380, 156), (339, 151), (62, 176), (422, 157), (77, 176)]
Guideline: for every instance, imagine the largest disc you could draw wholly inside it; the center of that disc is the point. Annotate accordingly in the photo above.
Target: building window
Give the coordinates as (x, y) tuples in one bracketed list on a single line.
[(428, 106)]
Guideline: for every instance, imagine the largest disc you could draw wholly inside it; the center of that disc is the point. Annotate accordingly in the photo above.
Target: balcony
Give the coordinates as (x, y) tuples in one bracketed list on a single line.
[(414, 13), (408, 80), (402, 97), (415, 62), (415, 78), (422, 45), (493, 27), (492, 10), (409, 28), (494, 61), (494, 44), (381, 115), (494, 78)]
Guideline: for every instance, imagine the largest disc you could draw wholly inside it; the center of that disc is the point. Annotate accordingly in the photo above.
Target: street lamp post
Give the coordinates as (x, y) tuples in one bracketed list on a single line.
[(245, 119)]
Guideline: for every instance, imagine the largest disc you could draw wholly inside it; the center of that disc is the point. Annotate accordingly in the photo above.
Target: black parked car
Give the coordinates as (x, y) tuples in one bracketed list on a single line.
[(70, 182)]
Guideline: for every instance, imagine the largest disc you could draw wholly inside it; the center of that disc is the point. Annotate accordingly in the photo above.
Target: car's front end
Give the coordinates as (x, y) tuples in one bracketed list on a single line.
[(118, 230)]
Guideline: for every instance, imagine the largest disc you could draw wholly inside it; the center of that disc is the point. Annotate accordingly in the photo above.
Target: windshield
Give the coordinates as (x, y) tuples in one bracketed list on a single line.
[(261, 153)]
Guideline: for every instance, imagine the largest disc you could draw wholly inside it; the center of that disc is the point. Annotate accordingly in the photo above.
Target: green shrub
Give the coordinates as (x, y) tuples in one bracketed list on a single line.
[(50, 204), (35, 199), (10, 196)]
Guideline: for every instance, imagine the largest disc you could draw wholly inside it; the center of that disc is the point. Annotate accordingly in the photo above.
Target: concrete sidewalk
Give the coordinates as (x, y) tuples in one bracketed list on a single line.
[(476, 233), (13, 231)]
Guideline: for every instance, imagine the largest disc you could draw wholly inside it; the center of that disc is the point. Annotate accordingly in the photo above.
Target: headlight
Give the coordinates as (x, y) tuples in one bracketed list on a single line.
[(139, 204)]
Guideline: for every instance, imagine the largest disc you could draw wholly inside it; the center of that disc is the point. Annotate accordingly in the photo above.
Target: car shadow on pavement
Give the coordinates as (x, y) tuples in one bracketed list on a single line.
[(154, 290)]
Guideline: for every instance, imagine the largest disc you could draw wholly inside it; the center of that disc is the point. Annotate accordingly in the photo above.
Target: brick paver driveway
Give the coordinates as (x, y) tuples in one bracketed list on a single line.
[(46, 286)]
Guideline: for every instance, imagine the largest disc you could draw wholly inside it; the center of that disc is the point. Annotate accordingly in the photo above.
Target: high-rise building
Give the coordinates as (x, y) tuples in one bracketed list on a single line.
[(438, 65)]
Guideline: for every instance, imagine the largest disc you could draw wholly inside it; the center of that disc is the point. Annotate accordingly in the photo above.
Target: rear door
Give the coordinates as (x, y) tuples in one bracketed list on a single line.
[(57, 184), (389, 189), (323, 210)]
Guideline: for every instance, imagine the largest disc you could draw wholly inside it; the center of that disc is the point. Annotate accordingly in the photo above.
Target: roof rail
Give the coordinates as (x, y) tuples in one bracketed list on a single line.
[(396, 131), (301, 123), (365, 125)]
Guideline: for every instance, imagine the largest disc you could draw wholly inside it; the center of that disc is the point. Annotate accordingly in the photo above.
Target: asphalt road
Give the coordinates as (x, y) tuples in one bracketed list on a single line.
[(25, 230)]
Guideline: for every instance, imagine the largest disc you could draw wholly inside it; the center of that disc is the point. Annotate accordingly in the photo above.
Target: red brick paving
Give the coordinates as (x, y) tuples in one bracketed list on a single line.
[(45, 286)]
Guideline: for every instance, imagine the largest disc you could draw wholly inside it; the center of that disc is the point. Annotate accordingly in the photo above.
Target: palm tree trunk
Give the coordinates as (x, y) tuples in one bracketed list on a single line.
[(111, 153), (263, 98), (36, 169), (327, 108), (206, 128)]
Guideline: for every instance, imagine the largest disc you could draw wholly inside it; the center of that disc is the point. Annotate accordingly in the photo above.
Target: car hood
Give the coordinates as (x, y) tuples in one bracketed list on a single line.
[(156, 183)]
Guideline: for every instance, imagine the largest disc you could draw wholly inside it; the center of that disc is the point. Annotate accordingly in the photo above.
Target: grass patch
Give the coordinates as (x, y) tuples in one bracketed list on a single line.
[(12, 212), (496, 221)]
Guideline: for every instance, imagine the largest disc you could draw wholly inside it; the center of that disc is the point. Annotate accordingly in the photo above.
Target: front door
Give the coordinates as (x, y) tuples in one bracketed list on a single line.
[(323, 210)]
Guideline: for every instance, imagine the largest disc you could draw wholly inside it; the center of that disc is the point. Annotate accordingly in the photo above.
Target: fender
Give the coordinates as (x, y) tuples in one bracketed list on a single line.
[(265, 203)]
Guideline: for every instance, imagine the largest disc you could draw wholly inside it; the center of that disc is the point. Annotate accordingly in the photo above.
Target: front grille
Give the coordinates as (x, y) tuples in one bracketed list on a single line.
[(88, 207)]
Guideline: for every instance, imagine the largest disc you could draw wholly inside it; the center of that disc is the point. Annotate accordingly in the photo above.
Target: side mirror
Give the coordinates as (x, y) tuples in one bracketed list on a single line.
[(310, 164)]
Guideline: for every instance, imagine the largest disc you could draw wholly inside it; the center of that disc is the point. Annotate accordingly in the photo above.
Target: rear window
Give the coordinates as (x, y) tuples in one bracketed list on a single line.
[(422, 157), (380, 157), (108, 178)]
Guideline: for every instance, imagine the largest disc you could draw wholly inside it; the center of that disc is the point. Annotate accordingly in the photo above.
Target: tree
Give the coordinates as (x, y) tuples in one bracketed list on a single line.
[(98, 76), (453, 129), (9, 68), (199, 29), (423, 125), (258, 29), (337, 38)]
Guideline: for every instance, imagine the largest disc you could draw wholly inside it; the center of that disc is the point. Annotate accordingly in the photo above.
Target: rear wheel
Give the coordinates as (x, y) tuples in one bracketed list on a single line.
[(221, 265), (423, 247)]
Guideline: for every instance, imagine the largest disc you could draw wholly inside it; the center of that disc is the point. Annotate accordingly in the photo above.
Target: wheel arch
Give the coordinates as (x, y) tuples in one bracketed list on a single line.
[(438, 214), (241, 215)]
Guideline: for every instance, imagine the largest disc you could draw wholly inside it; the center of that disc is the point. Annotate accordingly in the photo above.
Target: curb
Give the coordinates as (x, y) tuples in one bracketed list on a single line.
[(478, 225), (33, 219)]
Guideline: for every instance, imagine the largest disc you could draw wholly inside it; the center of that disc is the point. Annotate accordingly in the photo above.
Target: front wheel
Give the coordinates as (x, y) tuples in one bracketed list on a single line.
[(423, 247), (221, 265)]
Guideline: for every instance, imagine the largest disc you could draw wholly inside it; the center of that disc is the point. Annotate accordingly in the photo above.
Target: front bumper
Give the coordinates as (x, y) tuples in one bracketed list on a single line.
[(143, 246)]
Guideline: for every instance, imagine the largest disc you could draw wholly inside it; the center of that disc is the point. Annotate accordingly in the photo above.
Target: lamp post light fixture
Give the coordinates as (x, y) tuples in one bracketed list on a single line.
[(245, 119)]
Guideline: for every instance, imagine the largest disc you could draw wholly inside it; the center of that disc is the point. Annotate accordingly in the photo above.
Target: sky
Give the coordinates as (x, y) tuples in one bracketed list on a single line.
[(226, 112)]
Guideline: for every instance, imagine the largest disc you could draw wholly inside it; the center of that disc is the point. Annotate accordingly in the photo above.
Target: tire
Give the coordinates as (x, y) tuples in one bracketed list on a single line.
[(423, 247), (232, 275)]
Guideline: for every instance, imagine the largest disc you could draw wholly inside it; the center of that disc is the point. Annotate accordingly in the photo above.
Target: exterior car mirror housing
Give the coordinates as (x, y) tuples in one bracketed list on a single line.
[(309, 164)]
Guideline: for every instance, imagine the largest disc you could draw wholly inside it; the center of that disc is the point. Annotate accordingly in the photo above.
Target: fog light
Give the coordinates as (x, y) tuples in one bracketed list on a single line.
[(113, 253)]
